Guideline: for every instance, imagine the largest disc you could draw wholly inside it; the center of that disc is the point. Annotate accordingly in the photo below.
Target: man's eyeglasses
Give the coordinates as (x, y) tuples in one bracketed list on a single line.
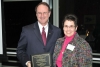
[(44, 13)]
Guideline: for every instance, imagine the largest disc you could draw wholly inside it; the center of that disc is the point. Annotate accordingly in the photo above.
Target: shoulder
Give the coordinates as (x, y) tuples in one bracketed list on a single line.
[(79, 39), (82, 43), (54, 27), (60, 39), (28, 26)]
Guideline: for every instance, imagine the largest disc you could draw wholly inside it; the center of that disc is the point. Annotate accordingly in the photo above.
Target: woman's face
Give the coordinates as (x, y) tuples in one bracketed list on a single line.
[(69, 28)]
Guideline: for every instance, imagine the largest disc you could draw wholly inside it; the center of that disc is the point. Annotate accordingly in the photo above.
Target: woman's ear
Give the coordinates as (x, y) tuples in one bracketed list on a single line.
[(76, 28)]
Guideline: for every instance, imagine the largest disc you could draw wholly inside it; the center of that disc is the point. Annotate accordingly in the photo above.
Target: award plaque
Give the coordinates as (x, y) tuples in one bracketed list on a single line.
[(41, 60)]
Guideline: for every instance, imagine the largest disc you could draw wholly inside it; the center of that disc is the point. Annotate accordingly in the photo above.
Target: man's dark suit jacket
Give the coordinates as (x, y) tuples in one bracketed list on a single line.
[(31, 43)]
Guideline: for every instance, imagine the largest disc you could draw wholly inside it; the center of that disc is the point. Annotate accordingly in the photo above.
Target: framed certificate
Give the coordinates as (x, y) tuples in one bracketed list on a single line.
[(41, 60)]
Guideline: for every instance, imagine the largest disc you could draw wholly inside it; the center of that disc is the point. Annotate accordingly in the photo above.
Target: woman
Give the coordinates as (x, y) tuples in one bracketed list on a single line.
[(72, 50)]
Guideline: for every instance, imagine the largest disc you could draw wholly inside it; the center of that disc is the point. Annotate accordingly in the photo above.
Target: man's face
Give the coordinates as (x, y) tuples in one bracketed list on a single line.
[(43, 14)]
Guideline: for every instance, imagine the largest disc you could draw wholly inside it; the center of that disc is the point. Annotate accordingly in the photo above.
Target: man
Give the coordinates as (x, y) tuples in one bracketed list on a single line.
[(31, 41)]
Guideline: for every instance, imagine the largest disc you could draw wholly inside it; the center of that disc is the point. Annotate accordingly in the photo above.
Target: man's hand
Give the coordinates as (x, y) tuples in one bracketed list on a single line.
[(28, 64)]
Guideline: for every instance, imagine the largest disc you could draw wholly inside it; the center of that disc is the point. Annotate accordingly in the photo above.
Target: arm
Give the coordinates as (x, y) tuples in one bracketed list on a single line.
[(85, 55), (21, 49)]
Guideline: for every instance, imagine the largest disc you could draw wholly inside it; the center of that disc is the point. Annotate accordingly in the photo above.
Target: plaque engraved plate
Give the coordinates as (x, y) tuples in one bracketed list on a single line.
[(41, 60)]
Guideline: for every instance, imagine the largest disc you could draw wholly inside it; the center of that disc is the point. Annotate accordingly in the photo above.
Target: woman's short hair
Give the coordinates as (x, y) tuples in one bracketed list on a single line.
[(70, 17)]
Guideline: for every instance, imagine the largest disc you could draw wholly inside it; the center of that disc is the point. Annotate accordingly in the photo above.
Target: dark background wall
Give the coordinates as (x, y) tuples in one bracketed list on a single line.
[(18, 14), (88, 13)]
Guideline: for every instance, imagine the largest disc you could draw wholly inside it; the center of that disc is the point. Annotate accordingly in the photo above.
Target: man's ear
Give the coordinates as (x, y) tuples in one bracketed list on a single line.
[(49, 13)]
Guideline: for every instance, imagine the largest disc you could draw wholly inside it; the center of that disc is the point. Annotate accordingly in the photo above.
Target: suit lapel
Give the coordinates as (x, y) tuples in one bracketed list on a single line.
[(37, 31), (50, 33)]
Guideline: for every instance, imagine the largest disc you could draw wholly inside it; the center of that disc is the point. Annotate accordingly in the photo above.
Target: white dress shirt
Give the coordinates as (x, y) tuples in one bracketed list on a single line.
[(46, 28)]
